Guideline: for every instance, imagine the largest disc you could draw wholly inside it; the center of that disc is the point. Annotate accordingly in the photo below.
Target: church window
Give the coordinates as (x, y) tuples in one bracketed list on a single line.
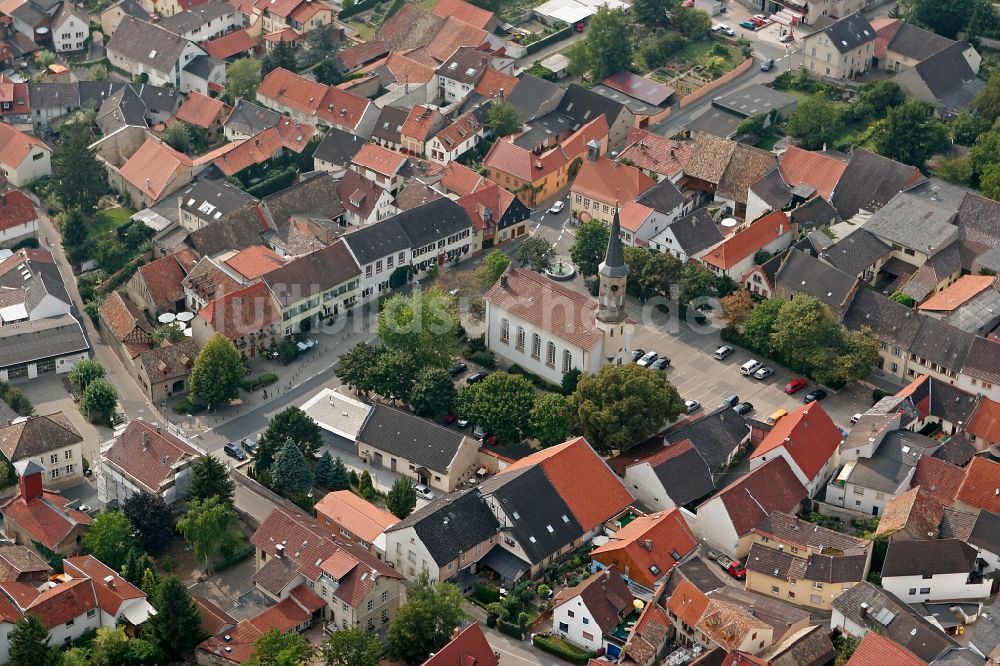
[(567, 361), (536, 345), (520, 338), (504, 330), (551, 355)]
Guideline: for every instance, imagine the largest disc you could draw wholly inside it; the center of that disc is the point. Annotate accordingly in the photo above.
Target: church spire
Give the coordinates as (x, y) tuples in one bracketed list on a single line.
[(614, 259), (613, 276)]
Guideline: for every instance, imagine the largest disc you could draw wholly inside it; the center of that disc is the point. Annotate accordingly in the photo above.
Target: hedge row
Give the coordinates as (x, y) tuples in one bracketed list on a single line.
[(534, 379), (274, 183), (556, 36), (358, 7), (258, 382), (561, 649), (512, 629), (234, 559)]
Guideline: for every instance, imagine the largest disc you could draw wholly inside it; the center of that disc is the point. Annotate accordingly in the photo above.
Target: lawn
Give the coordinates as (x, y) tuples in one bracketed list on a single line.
[(109, 219), (427, 5), (365, 31)]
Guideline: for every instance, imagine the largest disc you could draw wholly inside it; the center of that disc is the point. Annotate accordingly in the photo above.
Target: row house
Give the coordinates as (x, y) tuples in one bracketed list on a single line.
[(316, 104)]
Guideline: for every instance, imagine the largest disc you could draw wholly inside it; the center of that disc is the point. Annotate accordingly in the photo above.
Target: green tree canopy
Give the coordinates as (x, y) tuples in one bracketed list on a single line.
[(354, 367), (989, 181), (967, 126), (210, 478), (433, 392), (276, 648), (215, 377), (874, 100), (909, 134), (944, 18), (324, 470), (402, 497), (805, 334), (152, 521), (73, 225), (692, 23), (493, 266), (351, 647), (737, 307), (536, 253), (816, 121), (759, 325), (424, 624), (176, 627), (622, 405), (590, 246), (393, 374), (501, 404), (550, 423), (608, 46), (423, 323), (332, 473), (78, 178), (109, 538), (85, 372), (290, 473), (29, 643), (210, 526), (290, 423), (178, 136), (242, 79), (501, 119), (697, 282), (986, 104), (652, 12), (281, 56)]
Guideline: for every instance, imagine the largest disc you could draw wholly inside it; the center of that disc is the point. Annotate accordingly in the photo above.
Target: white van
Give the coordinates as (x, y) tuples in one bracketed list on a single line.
[(750, 367)]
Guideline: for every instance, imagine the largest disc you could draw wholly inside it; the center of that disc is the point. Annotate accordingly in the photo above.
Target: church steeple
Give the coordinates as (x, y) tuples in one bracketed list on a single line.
[(613, 276)]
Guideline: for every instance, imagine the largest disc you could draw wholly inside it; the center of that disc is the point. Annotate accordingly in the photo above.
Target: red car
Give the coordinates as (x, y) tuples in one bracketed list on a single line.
[(795, 386), (448, 419)]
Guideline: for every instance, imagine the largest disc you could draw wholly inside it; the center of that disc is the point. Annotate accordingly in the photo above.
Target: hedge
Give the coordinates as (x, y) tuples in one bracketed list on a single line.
[(186, 406), (534, 379), (486, 593), (362, 6), (250, 385), (556, 36), (273, 184), (512, 629), (235, 558), (561, 649)]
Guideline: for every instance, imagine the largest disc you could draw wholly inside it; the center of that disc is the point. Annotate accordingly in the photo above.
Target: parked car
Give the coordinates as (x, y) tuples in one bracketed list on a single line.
[(479, 432), (462, 423), (648, 358), (458, 369), (815, 394), (448, 419), (723, 352), (637, 354), (248, 445), (423, 491), (557, 206), (691, 406), (763, 373), (660, 364), (767, 65), (743, 408), (476, 377), (794, 386), (856, 418), (776, 416), (785, 38), (730, 401), (750, 367), (234, 450), (749, 25), (724, 29)]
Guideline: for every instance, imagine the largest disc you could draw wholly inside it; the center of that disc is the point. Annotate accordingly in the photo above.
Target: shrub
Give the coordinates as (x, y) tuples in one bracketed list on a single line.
[(483, 358), (234, 559), (187, 406), (486, 593), (477, 344), (731, 334), (560, 648), (511, 629), (255, 383), (878, 394)]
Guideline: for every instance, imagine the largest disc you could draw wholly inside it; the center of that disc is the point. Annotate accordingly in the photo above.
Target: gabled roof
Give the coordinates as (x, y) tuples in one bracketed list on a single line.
[(958, 293), (456, 522), (937, 556), (163, 278), (815, 169), (683, 472), (249, 119), (255, 261), (17, 560), (878, 650), (148, 454), (745, 243), (633, 215), (46, 518), (981, 486), (110, 594), (911, 41), (771, 487), (147, 44), (609, 181), (37, 435), (916, 511), (746, 166), (985, 421), (229, 45), (939, 478), (241, 312), (422, 122), (985, 532), (663, 197), (362, 54), (508, 157), (641, 88), (465, 12), (856, 252), (339, 147), (687, 602), (605, 595), (250, 152), (946, 71), (468, 648), (312, 273), (654, 544), (327, 103), (15, 145), (200, 110), (151, 168), (850, 32), (380, 160), (790, 530), (870, 181), (459, 131), (652, 152), (421, 441), (710, 156), (355, 514), (800, 273), (696, 232), (495, 83)]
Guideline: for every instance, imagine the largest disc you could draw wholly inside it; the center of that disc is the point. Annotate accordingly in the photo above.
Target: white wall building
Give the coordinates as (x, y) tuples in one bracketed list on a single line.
[(937, 570)]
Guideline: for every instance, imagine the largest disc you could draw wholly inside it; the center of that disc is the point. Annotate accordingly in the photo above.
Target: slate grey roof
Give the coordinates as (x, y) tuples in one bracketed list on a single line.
[(663, 197), (803, 274), (583, 105), (390, 122), (203, 65), (410, 229), (884, 316), (983, 360), (914, 222), (696, 232), (210, 200), (978, 231), (94, 93), (147, 44), (533, 97), (869, 182), (753, 100), (986, 532), (717, 122), (946, 70), (916, 43), (236, 231), (422, 442), (773, 190), (158, 98), (314, 195), (942, 343), (938, 556), (133, 8), (891, 464), (958, 450), (30, 14), (856, 252), (542, 523), (29, 341), (685, 476), (339, 147), (191, 19), (54, 95), (249, 119), (850, 32), (123, 108), (456, 522), (312, 273), (716, 435)]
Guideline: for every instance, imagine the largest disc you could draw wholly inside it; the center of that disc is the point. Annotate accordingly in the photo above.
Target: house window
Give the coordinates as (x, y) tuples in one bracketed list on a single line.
[(536, 345), (883, 345), (858, 490), (70, 469), (71, 623), (925, 590), (504, 331), (551, 355), (371, 604), (385, 615), (371, 623), (563, 627), (913, 590), (586, 620), (385, 596), (815, 598), (520, 339), (774, 589), (92, 612), (368, 271), (567, 361), (571, 613), (54, 458), (54, 474), (68, 454)]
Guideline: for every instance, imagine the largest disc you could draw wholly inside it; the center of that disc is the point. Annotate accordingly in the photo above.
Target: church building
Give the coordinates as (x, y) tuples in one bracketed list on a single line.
[(548, 329)]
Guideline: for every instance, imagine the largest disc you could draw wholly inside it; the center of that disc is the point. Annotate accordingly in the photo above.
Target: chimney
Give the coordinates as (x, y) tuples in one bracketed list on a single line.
[(455, 632), (30, 484), (648, 545), (110, 582), (864, 610), (148, 185), (145, 441), (503, 280), (3, 200)]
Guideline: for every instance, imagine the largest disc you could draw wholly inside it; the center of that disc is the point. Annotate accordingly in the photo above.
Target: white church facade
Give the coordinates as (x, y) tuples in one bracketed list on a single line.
[(548, 329)]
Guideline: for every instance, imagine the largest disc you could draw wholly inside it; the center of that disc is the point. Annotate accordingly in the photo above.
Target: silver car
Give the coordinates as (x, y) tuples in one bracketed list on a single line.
[(647, 359), (423, 491)]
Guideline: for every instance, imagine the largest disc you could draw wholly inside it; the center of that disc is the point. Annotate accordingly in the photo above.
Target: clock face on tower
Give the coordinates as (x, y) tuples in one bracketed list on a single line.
[(614, 288)]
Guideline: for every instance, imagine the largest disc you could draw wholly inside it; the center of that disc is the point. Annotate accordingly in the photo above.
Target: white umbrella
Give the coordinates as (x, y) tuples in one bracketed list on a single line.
[(189, 332), (185, 316), (166, 317), (180, 325)]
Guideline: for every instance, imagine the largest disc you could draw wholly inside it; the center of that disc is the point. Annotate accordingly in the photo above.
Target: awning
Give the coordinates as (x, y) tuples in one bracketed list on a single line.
[(509, 566)]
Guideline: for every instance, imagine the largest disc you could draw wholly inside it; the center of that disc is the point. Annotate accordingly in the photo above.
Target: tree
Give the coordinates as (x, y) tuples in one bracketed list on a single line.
[(874, 100), (210, 526), (167, 333), (215, 377), (109, 538), (989, 181), (845, 646), (78, 178), (176, 626), (152, 521), (433, 392), (966, 126), (293, 423), (697, 282), (338, 478), (501, 119), (758, 326), (622, 405), (493, 266), (177, 136), (242, 79), (692, 23), (29, 643), (737, 307), (76, 657), (281, 56), (290, 473), (85, 372), (150, 582), (210, 478), (351, 647), (536, 253), (422, 323), (957, 170), (985, 151), (806, 335), (276, 648), (365, 485), (320, 43), (987, 102), (501, 404), (402, 497), (425, 623), (354, 367), (98, 72), (909, 134), (109, 253), (610, 40), (394, 374), (857, 355), (944, 18), (136, 565), (327, 73), (579, 58), (652, 12), (74, 229), (654, 50), (112, 647), (324, 471), (550, 422), (817, 121), (590, 246)]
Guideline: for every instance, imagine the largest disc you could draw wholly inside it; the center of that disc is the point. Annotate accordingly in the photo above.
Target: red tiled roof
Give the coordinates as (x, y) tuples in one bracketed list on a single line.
[(362, 54), (15, 145), (293, 134), (406, 69), (939, 478), (461, 180), (16, 209), (241, 312), (771, 487), (306, 598), (255, 261), (655, 153), (687, 602), (632, 215), (798, 166), (958, 293), (355, 514), (469, 648), (420, 122), (465, 12), (878, 650), (163, 278), (380, 160), (250, 152), (109, 597), (809, 436), (236, 42), (200, 110), (292, 90), (582, 479), (286, 34), (493, 198), (669, 534), (745, 243), (64, 602), (15, 94), (981, 487), (885, 29), (455, 33), (280, 8), (122, 319), (308, 9), (45, 518), (151, 168), (494, 83), (609, 181), (236, 644), (985, 421), (213, 618), (507, 157), (148, 454)]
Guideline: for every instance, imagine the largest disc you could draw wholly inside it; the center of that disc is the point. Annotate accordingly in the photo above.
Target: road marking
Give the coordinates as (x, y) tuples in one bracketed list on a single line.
[(516, 656), (538, 226)]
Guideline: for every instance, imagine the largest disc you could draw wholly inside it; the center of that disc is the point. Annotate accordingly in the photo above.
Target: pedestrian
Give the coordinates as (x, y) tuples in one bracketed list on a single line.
[(265, 394)]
